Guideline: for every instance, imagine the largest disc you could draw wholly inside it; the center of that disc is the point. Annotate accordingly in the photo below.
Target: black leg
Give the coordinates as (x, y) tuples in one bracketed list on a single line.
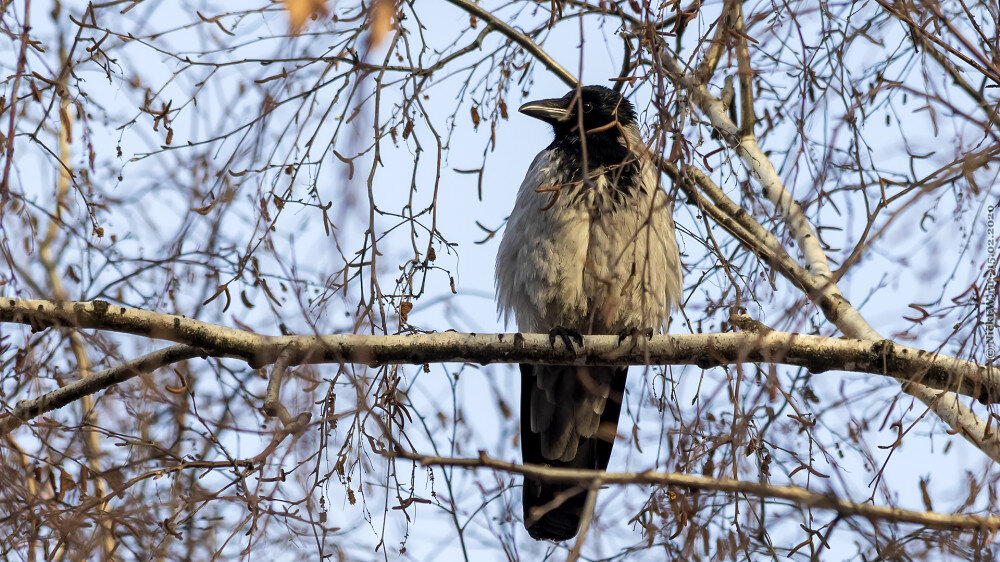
[(634, 332), (566, 335)]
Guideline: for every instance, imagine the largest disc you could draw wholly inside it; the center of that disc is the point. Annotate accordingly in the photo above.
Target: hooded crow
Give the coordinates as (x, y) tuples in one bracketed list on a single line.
[(589, 248)]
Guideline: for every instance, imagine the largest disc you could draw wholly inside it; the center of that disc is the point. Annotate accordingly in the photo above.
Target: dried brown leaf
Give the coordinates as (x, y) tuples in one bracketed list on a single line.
[(301, 10), (67, 122), (380, 22)]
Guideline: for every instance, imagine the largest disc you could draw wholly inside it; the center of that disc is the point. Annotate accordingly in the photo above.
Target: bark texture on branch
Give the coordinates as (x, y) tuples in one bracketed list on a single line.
[(756, 345)]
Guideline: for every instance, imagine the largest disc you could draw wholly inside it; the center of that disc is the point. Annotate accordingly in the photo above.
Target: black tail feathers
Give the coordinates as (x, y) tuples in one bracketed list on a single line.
[(558, 522), (552, 510)]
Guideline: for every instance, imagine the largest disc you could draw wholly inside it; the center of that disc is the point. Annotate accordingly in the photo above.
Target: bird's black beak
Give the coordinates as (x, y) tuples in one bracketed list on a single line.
[(552, 110)]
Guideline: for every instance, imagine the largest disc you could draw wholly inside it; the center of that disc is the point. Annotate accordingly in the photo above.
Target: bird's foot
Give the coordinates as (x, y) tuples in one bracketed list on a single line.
[(634, 333), (566, 335)]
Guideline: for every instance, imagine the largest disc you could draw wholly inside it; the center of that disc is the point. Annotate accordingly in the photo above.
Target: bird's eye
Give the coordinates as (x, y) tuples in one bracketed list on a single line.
[(587, 106)]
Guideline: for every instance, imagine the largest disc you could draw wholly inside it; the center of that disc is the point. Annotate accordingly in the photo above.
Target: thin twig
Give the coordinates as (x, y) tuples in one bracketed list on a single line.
[(588, 516), (521, 39)]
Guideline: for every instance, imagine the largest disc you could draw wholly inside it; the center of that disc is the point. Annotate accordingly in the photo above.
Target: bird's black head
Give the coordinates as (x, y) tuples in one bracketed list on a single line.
[(599, 107)]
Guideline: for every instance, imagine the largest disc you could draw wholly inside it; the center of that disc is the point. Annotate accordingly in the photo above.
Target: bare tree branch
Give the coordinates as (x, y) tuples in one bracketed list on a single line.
[(27, 410), (791, 493), (757, 344)]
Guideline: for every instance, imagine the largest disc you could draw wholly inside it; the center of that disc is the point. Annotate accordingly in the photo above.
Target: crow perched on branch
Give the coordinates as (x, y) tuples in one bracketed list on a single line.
[(589, 249)]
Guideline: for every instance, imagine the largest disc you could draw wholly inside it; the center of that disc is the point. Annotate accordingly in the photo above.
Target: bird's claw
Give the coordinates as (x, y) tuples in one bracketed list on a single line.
[(634, 332), (567, 336)]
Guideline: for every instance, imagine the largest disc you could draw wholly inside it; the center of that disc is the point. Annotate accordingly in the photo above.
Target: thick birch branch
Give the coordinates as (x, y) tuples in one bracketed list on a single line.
[(758, 344), (794, 494)]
